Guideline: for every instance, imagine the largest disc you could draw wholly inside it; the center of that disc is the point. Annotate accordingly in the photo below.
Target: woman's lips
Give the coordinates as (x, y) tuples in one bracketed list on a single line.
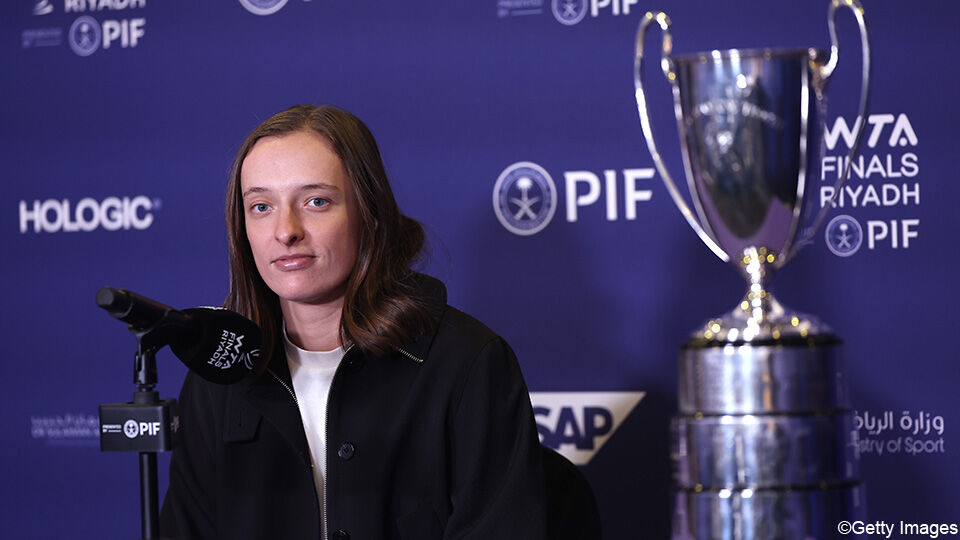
[(290, 263)]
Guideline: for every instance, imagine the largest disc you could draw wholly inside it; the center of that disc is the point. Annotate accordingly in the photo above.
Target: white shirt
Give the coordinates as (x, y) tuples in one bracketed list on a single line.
[(312, 373)]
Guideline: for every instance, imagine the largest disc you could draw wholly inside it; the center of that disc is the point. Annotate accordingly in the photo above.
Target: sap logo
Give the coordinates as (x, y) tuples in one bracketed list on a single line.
[(902, 133), (578, 424), (113, 213)]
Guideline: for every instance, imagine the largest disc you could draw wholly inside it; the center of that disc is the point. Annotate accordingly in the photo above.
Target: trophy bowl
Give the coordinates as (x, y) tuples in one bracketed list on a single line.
[(763, 443), (750, 124)]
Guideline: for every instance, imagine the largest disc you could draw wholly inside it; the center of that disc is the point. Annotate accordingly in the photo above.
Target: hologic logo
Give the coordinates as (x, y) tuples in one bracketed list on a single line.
[(524, 198), (578, 424), (263, 7), (112, 214)]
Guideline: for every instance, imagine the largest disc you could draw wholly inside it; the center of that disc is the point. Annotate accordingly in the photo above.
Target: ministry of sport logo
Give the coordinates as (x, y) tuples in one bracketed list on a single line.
[(569, 12), (263, 7), (84, 35), (524, 198)]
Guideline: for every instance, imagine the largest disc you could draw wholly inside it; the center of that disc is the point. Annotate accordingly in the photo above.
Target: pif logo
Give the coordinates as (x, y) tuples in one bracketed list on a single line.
[(578, 424), (570, 12), (87, 35), (133, 429), (525, 196)]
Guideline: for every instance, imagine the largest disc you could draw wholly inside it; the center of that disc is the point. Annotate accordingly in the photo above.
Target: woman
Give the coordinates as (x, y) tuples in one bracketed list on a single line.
[(380, 412)]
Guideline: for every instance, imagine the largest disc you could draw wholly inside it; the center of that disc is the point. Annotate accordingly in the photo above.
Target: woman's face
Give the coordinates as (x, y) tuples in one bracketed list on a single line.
[(302, 218)]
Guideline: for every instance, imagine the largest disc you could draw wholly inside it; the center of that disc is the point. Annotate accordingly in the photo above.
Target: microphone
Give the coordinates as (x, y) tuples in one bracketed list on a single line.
[(220, 345)]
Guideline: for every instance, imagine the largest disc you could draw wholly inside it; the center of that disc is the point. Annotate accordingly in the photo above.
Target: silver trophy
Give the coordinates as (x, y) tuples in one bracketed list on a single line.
[(764, 445)]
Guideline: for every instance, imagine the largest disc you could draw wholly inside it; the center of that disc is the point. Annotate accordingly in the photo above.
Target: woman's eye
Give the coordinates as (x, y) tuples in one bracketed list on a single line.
[(260, 208), (317, 202)]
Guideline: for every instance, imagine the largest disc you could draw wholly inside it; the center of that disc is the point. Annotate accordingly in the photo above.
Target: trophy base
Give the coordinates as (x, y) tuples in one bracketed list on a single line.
[(764, 444), (767, 451), (766, 514), (777, 378)]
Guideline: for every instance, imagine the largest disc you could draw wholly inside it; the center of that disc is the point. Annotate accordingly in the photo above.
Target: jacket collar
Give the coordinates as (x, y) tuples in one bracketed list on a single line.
[(433, 293)]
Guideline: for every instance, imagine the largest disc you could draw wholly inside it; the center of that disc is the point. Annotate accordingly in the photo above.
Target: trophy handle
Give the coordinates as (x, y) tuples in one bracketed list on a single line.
[(666, 64), (825, 71)]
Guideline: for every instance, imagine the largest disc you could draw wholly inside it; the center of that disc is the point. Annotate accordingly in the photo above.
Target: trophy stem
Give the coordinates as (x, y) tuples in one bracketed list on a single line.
[(759, 317), (759, 307)]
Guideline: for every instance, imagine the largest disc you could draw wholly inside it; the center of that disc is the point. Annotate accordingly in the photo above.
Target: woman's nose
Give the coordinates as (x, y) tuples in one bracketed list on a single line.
[(289, 228)]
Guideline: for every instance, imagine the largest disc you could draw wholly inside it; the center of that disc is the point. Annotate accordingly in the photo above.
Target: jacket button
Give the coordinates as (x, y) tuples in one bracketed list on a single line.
[(346, 451), (341, 535)]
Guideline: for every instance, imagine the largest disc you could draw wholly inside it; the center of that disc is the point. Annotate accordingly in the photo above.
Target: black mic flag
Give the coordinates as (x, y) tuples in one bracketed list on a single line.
[(220, 345)]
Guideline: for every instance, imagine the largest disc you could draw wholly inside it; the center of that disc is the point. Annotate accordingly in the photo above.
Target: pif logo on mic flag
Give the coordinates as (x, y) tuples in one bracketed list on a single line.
[(578, 424)]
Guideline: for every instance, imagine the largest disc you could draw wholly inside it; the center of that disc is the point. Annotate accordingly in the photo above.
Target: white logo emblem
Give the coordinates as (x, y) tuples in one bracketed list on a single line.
[(844, 235), (263, 7), (900, 134), (524, 198), (569, 12), (131, 429), (42, 7), (578, 424), (228, 352), (84, 35)]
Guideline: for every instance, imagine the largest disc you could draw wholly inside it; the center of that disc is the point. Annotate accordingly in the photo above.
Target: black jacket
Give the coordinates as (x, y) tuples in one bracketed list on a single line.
[(436, 440)]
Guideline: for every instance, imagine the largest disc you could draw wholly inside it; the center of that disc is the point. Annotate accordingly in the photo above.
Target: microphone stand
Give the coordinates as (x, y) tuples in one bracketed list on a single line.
[(146, 425)]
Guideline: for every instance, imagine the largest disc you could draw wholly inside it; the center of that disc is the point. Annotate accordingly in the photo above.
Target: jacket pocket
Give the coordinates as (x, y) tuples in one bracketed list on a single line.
[(421, 524)]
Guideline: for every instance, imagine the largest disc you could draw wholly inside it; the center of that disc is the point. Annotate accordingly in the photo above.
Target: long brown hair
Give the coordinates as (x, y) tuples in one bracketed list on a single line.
[(381, 311)]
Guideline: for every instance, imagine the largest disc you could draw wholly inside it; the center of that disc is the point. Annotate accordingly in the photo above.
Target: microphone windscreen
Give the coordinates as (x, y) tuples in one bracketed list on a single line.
[(227, 348), (131, 308)]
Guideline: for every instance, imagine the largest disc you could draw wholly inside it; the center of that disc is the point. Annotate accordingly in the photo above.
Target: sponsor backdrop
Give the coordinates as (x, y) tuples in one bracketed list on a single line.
[(509, 128)]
